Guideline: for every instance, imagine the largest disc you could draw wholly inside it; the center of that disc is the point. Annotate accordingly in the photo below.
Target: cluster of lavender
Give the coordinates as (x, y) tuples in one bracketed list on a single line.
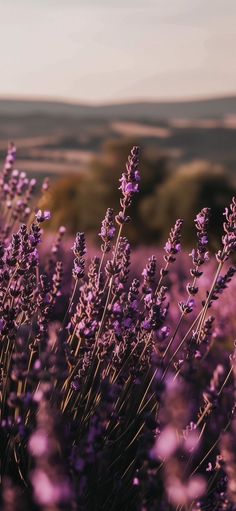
[(111, 406)]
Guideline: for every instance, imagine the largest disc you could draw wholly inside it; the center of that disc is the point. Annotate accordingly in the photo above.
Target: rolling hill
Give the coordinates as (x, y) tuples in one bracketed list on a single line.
[(55, 138), (214, 108)]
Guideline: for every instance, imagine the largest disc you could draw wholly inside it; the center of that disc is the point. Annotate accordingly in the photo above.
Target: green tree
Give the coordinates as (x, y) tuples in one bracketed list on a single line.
[(191, 187), (63, 200)]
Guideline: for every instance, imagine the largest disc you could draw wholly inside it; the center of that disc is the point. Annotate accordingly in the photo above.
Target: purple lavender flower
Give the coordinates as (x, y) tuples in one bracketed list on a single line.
[(131, 178), (10, 158), (200, 254), (78, 269), (229, 236), (41, 216), (149, 274), (173, 246), (130, 181), (108, 230), (79, 247)]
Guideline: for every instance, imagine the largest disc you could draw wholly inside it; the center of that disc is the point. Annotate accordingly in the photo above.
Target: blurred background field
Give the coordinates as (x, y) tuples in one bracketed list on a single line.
[(188, 159)]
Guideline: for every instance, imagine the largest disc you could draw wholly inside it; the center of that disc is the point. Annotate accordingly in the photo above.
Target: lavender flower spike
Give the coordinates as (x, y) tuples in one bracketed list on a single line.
[(229, 236), (79, 249), (173, 246), (129, 180), (108, 230)]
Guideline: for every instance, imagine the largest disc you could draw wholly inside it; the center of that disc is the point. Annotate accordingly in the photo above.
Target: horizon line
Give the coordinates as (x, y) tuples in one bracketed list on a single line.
[(68, 101)]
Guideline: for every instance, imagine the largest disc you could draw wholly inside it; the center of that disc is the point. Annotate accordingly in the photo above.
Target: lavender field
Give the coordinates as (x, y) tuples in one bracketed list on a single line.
[(118, 365)]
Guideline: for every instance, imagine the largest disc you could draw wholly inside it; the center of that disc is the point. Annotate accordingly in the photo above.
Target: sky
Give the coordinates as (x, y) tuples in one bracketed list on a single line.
[(98, 51)]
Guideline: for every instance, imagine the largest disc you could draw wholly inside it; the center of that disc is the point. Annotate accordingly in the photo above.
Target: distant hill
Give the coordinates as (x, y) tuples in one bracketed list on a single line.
[(215, 108), (55, 138)]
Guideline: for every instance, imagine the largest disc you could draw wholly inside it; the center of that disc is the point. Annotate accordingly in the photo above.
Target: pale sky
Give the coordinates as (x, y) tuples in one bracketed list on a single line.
[(111, 50)]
